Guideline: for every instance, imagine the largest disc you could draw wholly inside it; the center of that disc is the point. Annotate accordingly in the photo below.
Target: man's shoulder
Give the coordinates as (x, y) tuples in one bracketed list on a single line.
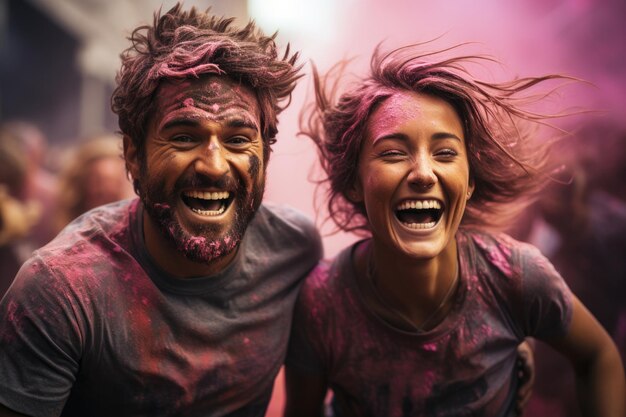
[(285, 222), (285, 214), (101, 230), (90, 248)]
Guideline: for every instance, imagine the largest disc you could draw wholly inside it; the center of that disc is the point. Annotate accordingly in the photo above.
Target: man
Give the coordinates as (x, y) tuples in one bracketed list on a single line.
[(178, 303)]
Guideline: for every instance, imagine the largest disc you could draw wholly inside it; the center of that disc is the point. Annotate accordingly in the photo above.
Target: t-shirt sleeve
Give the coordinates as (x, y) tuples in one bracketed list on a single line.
[(547, 300), (39, 342), (306, 340)]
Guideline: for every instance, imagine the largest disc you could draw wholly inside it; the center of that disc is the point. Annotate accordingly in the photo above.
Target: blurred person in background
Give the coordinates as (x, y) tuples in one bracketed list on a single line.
[(17, 218), (579, 223), (93, 174), (40, 183)]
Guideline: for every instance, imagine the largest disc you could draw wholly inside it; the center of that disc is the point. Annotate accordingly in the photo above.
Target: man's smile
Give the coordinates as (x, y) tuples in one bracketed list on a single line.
[(207, 203)]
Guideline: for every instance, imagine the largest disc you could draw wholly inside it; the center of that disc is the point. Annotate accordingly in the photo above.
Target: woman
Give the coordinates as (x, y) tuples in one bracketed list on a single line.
[(424, 317)]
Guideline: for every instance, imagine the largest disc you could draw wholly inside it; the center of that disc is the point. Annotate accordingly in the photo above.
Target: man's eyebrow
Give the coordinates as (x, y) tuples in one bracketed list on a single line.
[(231, 123), (242, 123), (177, 122)]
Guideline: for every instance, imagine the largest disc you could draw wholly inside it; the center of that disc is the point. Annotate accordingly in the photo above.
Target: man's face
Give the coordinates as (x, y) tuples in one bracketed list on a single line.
[(202, 175)]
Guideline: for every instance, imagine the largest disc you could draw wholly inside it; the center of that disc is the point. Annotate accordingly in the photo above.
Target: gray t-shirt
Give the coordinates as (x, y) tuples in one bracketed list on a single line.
[(92, 327), (465, 366)]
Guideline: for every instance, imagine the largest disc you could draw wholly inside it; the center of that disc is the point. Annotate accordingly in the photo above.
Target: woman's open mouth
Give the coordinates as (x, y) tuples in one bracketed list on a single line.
[(419, 214)]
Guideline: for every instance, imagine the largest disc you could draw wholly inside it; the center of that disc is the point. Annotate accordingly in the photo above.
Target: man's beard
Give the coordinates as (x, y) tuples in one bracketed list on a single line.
[(207, 243)]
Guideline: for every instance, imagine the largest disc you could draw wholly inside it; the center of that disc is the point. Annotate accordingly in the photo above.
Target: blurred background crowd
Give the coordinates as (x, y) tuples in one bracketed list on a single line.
[(60, 155)]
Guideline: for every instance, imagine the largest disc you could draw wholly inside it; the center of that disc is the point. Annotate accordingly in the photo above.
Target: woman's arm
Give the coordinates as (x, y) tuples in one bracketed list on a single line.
[(600, 382), (305, 394), (525, 373)]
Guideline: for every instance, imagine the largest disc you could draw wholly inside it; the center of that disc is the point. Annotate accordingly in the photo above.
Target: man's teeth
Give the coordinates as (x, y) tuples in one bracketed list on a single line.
[(209, 196), (205, 195), (420, 204)]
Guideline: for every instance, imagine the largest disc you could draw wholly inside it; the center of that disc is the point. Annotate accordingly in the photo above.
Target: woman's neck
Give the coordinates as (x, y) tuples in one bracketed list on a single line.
[(408, 292)]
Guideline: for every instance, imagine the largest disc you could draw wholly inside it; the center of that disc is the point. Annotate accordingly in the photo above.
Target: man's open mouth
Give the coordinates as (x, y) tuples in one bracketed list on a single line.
[(207, 203), (419, 214)]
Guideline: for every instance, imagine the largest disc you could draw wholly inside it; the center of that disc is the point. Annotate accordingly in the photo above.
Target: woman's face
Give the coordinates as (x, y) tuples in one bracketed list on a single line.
[(413, 174)]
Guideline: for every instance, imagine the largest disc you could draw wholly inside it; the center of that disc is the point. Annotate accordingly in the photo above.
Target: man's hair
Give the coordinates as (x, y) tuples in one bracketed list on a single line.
[(505, 166), (187, 44)]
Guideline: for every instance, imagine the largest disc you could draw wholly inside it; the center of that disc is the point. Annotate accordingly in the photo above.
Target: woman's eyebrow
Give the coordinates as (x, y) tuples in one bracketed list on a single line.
[(446, 135)]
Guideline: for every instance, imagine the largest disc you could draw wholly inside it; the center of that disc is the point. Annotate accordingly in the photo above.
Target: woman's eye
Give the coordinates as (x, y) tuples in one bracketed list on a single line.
[(447, 153), (391, 153)]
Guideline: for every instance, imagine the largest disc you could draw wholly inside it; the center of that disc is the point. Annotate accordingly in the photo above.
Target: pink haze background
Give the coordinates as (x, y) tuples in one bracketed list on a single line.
[(581, 38)]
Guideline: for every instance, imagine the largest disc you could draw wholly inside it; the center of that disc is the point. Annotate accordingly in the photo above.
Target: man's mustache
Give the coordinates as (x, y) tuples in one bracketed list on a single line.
[(195, 180)]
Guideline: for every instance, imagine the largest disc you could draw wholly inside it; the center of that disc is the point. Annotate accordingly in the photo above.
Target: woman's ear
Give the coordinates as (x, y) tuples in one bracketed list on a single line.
[(355, 193), (131, 156), (470, 189)]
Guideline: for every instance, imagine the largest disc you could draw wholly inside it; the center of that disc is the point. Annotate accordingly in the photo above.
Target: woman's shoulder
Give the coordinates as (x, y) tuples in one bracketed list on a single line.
[(500, 251), (330, 277), (490, 242)]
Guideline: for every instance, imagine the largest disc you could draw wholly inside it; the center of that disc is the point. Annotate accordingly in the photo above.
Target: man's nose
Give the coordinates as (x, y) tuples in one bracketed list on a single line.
[(212, 161), (422, 175)]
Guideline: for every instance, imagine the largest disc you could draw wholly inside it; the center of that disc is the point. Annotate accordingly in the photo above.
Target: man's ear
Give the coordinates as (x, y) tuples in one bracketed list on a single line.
[(131, 156)]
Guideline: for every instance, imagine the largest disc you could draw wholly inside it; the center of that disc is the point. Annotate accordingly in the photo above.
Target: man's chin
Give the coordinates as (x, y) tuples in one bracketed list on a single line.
[(202, 250)]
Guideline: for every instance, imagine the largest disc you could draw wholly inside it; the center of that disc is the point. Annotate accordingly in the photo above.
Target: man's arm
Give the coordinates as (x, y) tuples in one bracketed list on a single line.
[(305, 394), (5, 412), (600, 382)]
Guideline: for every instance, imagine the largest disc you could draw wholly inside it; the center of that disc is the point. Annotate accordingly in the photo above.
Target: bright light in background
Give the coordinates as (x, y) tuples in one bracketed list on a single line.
[(316, 19)]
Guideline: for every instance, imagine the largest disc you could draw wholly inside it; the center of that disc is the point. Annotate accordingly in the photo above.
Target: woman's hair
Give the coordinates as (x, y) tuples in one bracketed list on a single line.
[(187, 44), (504, 165)]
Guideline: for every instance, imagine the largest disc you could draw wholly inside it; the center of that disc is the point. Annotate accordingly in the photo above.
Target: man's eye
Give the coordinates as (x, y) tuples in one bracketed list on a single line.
[(238, 140), (183, 139)]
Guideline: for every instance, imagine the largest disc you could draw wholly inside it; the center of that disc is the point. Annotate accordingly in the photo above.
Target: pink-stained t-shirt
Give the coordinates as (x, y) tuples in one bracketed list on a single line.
[(465, 366), (92, 327)]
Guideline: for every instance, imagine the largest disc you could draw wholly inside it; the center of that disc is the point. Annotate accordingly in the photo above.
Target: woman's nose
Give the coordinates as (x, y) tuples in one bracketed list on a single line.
[(422, 175)]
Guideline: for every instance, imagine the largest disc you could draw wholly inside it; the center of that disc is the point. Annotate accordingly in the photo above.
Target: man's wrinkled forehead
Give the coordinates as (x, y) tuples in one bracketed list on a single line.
[(217, 97)]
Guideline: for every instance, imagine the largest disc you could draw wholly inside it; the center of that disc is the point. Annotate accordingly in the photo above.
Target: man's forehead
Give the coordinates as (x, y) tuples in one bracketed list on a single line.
[(211, 93), (207, 90)]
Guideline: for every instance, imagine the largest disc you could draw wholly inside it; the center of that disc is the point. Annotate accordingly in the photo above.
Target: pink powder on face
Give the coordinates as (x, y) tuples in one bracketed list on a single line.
[(215, 108), (188, 102)]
